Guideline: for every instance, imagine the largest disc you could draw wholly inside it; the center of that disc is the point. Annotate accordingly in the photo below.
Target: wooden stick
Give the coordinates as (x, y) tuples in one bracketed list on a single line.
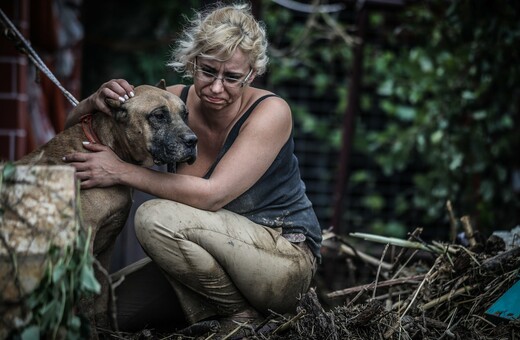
[(447, 297), (402, 251), (426, 277), (379, 271), (289, 323), (499, 262), (387, 283), (453, 222), (468, 229), (388, 334), (365, 257)]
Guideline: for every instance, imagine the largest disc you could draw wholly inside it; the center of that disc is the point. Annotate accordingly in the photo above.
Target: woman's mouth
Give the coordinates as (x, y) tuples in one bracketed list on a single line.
[(215, 100)]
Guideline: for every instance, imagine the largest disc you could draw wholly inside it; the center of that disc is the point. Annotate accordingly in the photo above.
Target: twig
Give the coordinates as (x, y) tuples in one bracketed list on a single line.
[(468, 229), (470, 254), (379, 270), (387, 283), (453, 222), (358, 295), (365, 257), (393, 328), (500, 261), (404, 265), (206, 338), (289, 323), (351, 251), (447, 297), (112, 295), (426, 277), (391, 294), (447, 248), (486, 321), (240, 325), (402, 251)]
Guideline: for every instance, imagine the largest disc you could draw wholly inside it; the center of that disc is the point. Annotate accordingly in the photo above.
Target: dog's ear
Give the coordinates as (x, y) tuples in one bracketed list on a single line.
[(161, 84), (112, 103), (116, 108)]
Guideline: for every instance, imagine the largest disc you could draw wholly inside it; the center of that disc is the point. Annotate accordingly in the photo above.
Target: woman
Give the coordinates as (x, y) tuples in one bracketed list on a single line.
[(233, 233)]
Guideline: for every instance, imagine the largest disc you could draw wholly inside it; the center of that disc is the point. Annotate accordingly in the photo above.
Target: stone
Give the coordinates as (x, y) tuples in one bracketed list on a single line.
[(37, 210)]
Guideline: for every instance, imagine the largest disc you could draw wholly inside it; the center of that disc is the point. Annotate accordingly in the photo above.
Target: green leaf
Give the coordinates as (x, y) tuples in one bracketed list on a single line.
[(88, 280), (386, 88), (405, 113), (468, 95), (436, 137), (58, 272), (31, 333), (374, 202), (8, 171), (456, 161), (479, 115), (360, 176)]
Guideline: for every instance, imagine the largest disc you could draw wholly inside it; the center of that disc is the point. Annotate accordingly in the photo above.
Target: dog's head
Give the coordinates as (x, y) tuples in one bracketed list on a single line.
[(154, 126)]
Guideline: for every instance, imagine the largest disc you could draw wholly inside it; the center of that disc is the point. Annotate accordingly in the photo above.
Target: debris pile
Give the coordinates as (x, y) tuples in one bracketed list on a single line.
[(450, 298), (449, 294)]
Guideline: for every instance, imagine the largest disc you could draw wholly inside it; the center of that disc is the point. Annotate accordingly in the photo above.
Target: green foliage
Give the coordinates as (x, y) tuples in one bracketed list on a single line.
[(447, 80), (68, 278), (314, 50), (451, 103)]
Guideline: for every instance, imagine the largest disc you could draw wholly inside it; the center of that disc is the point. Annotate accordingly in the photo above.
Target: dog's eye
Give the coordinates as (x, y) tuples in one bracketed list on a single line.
[(159, 114)]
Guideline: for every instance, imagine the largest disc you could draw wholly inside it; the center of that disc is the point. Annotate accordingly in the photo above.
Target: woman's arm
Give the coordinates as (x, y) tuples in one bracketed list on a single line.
[(259, 142)]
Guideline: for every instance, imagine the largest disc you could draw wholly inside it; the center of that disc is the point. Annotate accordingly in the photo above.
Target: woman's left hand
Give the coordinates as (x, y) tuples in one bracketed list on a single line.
[(100, 168)]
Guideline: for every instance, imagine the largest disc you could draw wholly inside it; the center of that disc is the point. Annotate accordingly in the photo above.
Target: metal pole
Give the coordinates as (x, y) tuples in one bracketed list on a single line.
[(349, 122)]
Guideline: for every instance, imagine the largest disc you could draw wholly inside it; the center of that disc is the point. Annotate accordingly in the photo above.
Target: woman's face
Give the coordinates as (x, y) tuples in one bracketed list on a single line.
[(219, 84)]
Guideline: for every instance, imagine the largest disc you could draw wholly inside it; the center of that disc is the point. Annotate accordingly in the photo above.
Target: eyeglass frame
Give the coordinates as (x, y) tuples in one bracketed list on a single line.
[(222, 79)]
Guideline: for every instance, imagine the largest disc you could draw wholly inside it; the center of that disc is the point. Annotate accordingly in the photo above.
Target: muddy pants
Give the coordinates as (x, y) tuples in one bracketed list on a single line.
[(218, 263)]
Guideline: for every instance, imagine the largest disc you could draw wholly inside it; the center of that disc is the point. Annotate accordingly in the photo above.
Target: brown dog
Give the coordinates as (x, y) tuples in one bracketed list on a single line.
[(148, 129)]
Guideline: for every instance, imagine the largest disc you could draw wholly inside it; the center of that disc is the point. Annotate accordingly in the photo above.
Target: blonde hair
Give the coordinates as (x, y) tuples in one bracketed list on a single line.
[(217, 33)]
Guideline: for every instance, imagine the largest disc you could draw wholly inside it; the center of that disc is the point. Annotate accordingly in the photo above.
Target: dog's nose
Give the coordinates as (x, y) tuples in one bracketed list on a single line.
[(190, 140)]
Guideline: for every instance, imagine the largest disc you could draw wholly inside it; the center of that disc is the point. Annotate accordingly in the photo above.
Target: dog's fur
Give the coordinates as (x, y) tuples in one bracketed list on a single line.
[(148, 129)]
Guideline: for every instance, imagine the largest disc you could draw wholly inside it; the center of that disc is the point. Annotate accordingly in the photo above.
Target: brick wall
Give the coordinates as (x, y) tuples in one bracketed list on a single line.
[(32, 108), (14, 137)]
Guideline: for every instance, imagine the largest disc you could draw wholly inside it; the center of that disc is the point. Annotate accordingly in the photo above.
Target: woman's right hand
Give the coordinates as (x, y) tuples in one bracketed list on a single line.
[(117, 89)]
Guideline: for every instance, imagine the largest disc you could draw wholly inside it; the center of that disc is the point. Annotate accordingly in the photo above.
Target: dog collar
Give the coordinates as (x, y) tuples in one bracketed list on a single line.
[(86, 125)]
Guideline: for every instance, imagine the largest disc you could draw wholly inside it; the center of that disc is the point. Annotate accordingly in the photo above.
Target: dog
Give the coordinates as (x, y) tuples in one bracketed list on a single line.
[(147, 129)]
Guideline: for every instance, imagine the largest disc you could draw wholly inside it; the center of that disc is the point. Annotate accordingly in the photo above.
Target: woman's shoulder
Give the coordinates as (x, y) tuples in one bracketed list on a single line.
[(269, 98), (269, 111)]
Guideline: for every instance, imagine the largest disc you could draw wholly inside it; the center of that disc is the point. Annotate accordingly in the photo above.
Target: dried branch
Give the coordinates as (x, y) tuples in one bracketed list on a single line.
[(468, 229), (404, 280), (453, 222), (448, 297)]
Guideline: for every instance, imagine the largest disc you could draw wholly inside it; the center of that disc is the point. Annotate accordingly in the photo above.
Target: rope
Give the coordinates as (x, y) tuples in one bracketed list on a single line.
[(23, 45)]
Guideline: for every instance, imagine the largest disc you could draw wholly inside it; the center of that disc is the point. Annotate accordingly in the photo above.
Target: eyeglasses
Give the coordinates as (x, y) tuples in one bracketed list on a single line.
[(208, 75)]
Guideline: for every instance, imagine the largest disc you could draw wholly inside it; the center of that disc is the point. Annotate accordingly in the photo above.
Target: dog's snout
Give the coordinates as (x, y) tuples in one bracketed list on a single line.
[(190, 140)]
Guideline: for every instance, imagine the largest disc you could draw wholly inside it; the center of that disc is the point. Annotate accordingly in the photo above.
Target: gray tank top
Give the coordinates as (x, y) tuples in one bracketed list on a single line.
[(278, 198)]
